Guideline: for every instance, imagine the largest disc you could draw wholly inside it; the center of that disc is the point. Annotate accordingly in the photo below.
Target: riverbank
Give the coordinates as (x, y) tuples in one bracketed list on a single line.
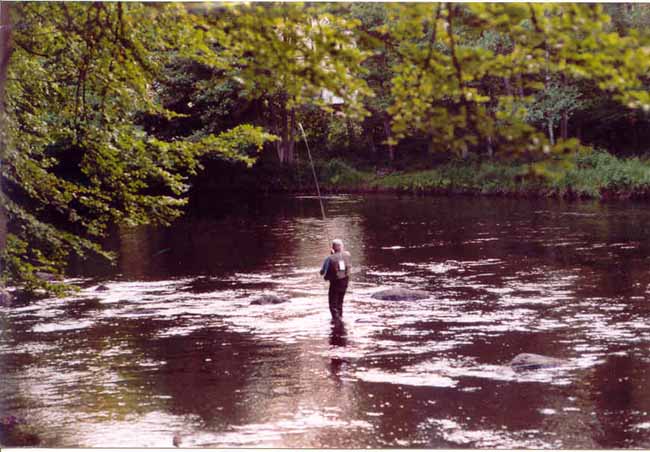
[(598, 175)]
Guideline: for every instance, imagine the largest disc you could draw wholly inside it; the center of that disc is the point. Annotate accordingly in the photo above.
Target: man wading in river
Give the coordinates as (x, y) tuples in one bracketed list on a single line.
[(336, 269)]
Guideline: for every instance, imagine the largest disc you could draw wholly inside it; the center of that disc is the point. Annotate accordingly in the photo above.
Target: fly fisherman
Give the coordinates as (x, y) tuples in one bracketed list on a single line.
[(336, 269)]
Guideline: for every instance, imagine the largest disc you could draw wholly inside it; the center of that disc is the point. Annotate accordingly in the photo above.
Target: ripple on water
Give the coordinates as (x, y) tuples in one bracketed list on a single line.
[(455, 432)]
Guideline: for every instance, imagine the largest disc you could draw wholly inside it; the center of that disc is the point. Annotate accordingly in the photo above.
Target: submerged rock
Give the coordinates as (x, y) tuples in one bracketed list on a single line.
[(399, 294), (269, 299), (5, 298), (531, 361), (14, 432), (102, 288)]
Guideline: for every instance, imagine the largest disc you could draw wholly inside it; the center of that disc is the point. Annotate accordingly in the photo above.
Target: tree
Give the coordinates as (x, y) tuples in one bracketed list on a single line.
[(554, 105), (77, 162), (443, 88), (379, 66), (5, 52), (287, 55)]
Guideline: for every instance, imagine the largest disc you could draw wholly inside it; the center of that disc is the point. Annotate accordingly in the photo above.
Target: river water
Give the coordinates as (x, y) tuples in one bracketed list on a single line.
[(174, 347)]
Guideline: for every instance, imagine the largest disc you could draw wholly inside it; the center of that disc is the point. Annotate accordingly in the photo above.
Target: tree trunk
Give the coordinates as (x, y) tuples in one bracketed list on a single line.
[(507, 86), (286, 150), (291, 140), (464, 152), (520, 85), (387, 131), (564, 125), (286, 144), (547, 81), (490, 149), (5, 53)]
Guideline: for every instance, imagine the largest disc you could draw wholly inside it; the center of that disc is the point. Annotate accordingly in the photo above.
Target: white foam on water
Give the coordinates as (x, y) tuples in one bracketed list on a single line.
[(406, 378), (62, 326), (379, 273), (455, 432)]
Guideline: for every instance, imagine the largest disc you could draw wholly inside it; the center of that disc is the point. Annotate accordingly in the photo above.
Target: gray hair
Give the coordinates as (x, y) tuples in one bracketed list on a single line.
[(338, 242)]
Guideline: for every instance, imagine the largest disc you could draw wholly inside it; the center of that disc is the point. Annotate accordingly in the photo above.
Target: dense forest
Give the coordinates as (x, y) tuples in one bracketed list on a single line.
[(116, 113)]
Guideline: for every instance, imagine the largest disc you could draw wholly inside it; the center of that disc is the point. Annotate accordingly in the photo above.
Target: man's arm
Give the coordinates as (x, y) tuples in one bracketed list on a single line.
[(326, 264)]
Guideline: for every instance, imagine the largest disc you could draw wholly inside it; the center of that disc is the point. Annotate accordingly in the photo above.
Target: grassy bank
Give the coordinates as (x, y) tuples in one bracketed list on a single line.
[(598, 175)]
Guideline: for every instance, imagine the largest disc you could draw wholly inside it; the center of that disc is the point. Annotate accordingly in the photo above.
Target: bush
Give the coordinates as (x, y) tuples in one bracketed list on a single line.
[(337, 173)]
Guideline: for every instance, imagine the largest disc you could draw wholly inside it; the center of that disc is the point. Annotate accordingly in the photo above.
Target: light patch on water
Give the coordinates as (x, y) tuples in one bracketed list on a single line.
[(455, 432), (625, 245), (378, 273), (272, 434), (475, 241), (62, 326), (153, 429), (306, 270), (179, 330), (138, 291), (407, 378), (463, 368), (333, 197), (571, 243), (547, 300), (571, 409), (438, 267)]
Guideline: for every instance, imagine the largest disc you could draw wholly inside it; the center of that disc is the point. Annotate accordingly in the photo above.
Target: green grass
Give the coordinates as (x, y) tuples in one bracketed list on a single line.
[(594, 175)]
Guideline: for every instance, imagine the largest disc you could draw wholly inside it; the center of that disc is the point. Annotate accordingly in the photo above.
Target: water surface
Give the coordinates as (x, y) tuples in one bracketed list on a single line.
[(174, 345)]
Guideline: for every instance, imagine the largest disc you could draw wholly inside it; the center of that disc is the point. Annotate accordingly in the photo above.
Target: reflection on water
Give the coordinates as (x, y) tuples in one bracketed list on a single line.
[(175, 347)]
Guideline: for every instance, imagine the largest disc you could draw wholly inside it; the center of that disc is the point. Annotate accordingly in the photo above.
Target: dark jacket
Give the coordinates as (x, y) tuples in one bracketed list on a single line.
[(337, 266)]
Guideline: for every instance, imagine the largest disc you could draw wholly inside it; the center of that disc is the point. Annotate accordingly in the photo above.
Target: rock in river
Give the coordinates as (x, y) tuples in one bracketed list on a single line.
[(269, 299), (5, 297), (531, 361), (47, 276), (398, 294)]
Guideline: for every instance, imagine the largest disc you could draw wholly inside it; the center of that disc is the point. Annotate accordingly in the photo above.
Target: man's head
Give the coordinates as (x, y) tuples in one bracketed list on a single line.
[(337, 245)]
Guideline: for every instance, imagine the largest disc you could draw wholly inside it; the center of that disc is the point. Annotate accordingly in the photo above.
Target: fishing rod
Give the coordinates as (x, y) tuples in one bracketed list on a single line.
[(313, 171)]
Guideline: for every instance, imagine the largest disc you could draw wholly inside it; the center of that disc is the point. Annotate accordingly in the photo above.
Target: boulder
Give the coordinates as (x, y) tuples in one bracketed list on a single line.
[(399, 294), (269, 299), (531, 361), (102, 288), (5, 297)]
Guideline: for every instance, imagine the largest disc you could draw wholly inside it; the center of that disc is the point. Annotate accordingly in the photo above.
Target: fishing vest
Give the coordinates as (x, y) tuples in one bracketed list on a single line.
[(340, 264)]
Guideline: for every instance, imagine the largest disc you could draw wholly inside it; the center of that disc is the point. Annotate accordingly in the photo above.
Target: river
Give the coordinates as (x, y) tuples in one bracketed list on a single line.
[(174, 347)]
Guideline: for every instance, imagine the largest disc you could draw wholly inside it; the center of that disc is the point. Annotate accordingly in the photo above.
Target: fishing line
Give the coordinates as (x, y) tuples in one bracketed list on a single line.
[(313, 171)]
